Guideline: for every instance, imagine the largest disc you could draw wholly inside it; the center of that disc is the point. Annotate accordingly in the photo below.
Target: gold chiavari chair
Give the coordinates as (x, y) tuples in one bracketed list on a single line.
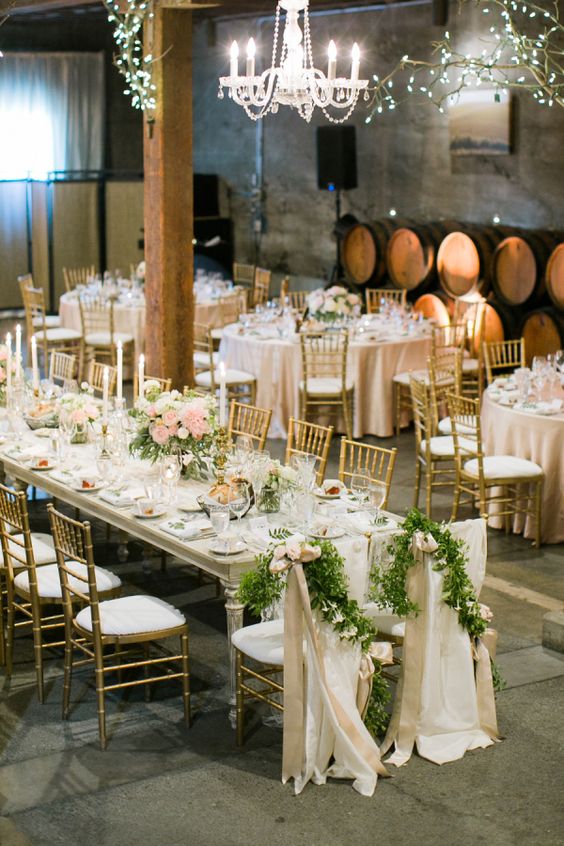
[(51, 320), (261, 287), (136, 622), (230, 308), (33, 583), (73, 276), (324, 385), (99, 336), (95, 377), (243, 274), (249, 420), (49, 338), (444, 376), (374, 462), (501, 357), (309, 439), (284, 288), (164, 384), (445, 339), (434, 453), (62, 367), (374, 297), (298, 299), (480, 477), (239, 383)]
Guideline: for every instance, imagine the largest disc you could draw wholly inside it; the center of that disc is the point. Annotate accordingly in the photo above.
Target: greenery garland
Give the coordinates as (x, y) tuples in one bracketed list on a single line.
[(389, 582)]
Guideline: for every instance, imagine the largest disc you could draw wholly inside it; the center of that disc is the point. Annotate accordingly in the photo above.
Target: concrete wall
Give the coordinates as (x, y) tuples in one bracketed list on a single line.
[(403, 156)]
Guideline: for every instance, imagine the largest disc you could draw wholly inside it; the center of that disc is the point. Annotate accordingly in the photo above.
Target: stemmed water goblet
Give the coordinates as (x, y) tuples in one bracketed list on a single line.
[(219, 518), (170, 468), (305, 466), (539, 368), (376, 498), (305, 504), (240, 502), (360, 485), (242, 452)]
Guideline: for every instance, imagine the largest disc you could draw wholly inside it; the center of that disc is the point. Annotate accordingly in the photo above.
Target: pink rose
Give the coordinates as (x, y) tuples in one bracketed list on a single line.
[(170, 418), (173, 430), (79, 417), (3, 354), (485, 612), (91, 411), (279, 565), (310, 553), (160, 434), (195, 421), (151, 411), (280, 551), (294, 551)]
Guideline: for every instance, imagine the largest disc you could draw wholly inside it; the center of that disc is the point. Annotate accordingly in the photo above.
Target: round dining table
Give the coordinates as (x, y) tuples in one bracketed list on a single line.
[(536, 437), (276, 364)]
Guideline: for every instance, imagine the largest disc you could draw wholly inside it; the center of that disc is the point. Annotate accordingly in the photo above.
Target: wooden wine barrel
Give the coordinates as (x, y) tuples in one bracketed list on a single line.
[(464, 259), (363, 250), (518, 267), (410, 255), (437, 306), (554, 277), (543, 331), (500, 322)]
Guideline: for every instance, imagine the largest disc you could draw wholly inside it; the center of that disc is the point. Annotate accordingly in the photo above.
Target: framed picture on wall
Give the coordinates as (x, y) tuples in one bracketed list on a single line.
[(479, 122)]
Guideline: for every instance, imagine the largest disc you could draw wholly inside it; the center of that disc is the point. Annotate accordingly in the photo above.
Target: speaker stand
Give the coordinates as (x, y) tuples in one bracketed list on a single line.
[(337, 271)]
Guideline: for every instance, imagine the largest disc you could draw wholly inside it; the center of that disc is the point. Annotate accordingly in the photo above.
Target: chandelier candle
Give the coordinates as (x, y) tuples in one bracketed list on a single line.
[(105, 395), (34, 367), (332, 66), (8, 364), (234, 66), (251, 53), (18, 352), (222, 395), (119, 395)]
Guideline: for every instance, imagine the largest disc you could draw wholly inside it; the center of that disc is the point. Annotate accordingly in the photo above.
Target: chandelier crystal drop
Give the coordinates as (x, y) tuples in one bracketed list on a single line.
[(292, 80)]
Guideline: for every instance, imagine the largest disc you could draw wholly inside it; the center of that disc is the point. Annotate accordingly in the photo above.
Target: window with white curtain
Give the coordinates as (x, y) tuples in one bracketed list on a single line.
[(51, 113)]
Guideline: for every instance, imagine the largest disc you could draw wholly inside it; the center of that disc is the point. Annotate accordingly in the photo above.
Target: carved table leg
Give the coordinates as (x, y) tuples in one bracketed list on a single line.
[(122, 550), (234, 611)]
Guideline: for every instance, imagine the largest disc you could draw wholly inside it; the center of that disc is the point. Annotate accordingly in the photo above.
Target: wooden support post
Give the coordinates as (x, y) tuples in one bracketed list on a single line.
[(169, 281)]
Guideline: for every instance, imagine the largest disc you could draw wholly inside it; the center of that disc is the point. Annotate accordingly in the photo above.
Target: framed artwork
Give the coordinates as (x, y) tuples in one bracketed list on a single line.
[(479, 122)]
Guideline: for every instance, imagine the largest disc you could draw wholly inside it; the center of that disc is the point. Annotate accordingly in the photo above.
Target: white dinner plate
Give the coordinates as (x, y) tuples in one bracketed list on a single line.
[(332, 533), (76, 487), (219, 549), (49, 466), (158, 511)]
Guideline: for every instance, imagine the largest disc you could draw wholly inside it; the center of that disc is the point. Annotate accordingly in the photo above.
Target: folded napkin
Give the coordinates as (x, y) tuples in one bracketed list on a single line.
[(22, 453), (361, 521), (120, 497), (552, 407), (508, 397), (182, 528), (188, 502)]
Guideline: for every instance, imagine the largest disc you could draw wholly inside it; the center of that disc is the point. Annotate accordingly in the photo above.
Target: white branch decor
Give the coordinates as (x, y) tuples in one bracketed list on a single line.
[(523, 50), (128, 19)]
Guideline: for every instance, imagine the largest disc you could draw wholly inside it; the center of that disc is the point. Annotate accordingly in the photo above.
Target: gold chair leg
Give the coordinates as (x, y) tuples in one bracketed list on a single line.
[(186, 678), (146, 656), (428, 489), (67, 675), (417, 483), (101, 705), (10, 625), (38, 659), (239, 699), (456, 500), (538, 513)]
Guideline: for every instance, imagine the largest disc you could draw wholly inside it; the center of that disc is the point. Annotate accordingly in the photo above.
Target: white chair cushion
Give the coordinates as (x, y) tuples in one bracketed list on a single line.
[(445, 427), (470, 365), (59, 334), (232, 377), (49, 582), (403, 378), (325, 387), (385, 620), (217, 334), (52, 321), (504, 467), (441, 445), (131, 615), (103, 339), (202, 359), (263, 642), (42, 545)]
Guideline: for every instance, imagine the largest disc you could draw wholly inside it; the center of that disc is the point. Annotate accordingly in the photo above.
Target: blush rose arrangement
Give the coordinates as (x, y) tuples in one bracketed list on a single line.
[(80, 410), (167, 420), (333, 304)]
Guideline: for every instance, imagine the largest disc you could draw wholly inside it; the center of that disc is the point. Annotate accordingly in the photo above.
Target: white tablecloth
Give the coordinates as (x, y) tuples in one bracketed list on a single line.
[(540, 439), (276, 363)]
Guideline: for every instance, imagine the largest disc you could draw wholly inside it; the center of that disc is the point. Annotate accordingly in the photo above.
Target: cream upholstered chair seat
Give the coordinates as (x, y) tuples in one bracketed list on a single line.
[(504, 467), (49, 582), (403, 378), (325, 386), (442, 445), (217, 333), (470, 365), (131, 615), (42, 545), (58, 334), (262, 642), (104, 339), (51, 321), (445, 427), (232, 377), (202, 359), (385, 620)]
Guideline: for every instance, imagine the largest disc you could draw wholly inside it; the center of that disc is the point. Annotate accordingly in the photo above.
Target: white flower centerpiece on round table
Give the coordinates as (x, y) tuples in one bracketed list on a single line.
[(169, 419), (333, 305)]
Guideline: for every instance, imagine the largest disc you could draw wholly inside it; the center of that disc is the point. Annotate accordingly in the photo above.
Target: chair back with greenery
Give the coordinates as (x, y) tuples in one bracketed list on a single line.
[(309, 438), (95, 377), (249, 420), (62, 367), (73, 276), (374, 462), (501, 357), (375, 296)]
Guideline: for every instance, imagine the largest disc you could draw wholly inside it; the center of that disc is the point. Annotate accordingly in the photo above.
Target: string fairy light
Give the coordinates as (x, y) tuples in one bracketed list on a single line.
[(514, 57), (134, 66)]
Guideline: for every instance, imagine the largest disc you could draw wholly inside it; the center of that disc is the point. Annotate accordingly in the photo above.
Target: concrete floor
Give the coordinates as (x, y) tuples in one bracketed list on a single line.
[(160, 784)]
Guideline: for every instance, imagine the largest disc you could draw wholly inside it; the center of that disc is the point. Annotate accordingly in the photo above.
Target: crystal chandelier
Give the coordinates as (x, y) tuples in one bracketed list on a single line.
[(294, 81)]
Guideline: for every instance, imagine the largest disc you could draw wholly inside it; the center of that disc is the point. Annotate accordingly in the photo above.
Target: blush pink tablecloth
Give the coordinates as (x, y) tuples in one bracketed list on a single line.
[(276, 363), (539, 439)]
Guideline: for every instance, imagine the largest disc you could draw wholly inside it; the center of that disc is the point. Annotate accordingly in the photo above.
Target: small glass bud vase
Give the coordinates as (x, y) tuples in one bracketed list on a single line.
[(81, 434), (268, 500)]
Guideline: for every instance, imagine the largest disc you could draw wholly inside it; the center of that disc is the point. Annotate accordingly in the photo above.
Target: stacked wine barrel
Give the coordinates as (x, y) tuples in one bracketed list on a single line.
[(519, 271)]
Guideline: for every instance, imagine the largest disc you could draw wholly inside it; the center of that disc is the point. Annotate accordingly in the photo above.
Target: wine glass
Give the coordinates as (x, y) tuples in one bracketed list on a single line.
[(67, 427), (305, 505), (376, 498), (360, 485), (70, 386), (240, 502), (305, 466), (170, 467), (258, 466), (219, 518), (242, 452), (539, 368)]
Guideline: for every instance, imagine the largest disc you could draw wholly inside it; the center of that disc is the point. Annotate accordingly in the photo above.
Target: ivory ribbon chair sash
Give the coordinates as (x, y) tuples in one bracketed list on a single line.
[(442, 706), (321, 716)]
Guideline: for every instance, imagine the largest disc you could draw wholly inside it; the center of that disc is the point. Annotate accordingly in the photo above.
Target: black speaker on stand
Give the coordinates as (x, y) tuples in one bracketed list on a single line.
[(336, 172)]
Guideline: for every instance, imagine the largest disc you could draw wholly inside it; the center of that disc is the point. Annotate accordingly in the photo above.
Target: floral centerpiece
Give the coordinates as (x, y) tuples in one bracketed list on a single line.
[(277, 479), (4, 371), (332, 304), (170, 420), (81, 410)]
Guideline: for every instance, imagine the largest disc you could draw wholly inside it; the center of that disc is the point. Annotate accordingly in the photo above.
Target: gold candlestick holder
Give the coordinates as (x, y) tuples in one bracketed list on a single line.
[(222, 443)]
